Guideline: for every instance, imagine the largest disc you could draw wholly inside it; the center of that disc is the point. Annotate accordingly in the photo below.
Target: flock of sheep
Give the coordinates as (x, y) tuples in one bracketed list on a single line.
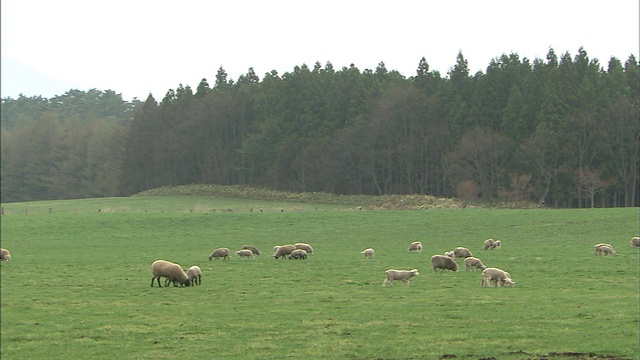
[(173, 272), (489, 275), (447, 262)]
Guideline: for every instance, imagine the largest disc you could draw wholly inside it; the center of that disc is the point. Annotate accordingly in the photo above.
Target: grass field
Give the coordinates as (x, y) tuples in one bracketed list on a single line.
[(78, 284)]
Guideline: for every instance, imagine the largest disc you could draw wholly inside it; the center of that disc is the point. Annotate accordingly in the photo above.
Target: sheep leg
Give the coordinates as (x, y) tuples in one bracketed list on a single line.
[(153, 279)]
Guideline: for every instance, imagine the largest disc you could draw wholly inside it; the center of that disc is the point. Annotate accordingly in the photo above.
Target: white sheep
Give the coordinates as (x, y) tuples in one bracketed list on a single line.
[(4, 255), (474, 262), (402, 275), (172, 271), (253, 249), (605, 249), (443, 262), (195, 275), (635, 241), (415, 246), (497, 276), (298, 254), (304, 246), (461, 252), (245, 253), (220, 253), (368, 253), (283, 251)]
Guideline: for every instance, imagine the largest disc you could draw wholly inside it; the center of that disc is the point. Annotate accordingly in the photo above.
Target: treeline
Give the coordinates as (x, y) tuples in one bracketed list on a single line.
[(560, 131)]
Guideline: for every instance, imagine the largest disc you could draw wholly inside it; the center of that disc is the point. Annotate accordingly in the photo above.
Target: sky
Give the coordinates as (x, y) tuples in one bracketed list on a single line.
[(142, 47)]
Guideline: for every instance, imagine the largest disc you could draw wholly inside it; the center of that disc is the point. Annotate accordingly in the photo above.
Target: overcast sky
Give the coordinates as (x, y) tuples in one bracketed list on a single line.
[(137, 47)]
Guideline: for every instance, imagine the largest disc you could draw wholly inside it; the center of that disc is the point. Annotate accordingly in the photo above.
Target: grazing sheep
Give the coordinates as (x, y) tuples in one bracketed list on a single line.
[(368, 253), (635, 241), (4, 255), (488, 244), (220, 253), (461, 252), (245, 253), (195, 275), (283, 251), (605, 249), (497, 276), (298, 254), (305, 247), (253, 249), (415, 246), (402, 275), (471, 262), (172, 271), (444, 263)]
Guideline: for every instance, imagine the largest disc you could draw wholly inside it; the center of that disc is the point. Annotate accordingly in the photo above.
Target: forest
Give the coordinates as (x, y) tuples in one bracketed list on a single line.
[(562, 132)]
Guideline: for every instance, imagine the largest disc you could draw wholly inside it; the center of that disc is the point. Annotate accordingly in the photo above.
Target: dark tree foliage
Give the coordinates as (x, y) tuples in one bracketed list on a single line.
[(560, 131)]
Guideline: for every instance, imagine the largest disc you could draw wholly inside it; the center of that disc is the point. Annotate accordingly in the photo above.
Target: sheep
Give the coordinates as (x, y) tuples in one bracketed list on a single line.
[(245, 253), (253, 249), (195, 275), (415, 246), (444, 263), (220, 253), (172, 271), (282, 251), (403, 275), (298, 254), (305, 247), (491, 244), (635, 241), (488, 244), (471, 261), (497, 276), (4, 255), (606, 249), (368, 253), (460, 252)]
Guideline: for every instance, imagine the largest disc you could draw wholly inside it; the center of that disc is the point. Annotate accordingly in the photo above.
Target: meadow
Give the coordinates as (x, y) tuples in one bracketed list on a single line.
[(78, 284)]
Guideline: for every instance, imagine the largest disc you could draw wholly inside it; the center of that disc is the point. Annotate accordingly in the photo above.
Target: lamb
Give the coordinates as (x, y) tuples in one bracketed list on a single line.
[(282, 251), (402, 275), (635, 241), (172, 271), (305, 247), (195, 275), (606, 249), (443, 262), (497, 276), (488, 244), (245, 253), (4, 255), (298, 254), (461, 252), (220, 253), (471, 261), (415, 246), (368, 253), (253, 249)]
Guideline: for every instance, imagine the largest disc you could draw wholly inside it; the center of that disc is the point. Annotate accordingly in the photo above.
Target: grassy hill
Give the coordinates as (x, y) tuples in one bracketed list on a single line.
[(78, 284)]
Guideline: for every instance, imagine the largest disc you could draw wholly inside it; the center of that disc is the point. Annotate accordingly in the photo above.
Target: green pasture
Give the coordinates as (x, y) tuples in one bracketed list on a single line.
[(78, 284)]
